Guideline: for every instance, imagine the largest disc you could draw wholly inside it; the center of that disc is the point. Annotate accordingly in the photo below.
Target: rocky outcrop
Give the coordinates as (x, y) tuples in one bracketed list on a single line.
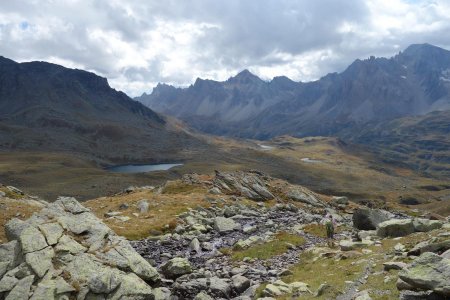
[(368, 219), (64, 251), (246, 184), (425, 225), (428, 272)]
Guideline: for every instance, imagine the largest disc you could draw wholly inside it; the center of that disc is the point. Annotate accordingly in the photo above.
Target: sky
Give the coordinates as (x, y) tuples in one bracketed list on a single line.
[(136, 44)]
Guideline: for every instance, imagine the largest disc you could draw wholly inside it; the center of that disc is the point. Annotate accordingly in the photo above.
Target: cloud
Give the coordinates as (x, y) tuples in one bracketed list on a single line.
[(136, 44)]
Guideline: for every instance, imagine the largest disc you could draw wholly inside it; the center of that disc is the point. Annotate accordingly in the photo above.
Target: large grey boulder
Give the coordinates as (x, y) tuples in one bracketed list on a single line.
[(176, 267), (66, 252), (425, 225), (395, 228), (430, 246), (368, 219), (224, 225), (248, 184), (428, 272)]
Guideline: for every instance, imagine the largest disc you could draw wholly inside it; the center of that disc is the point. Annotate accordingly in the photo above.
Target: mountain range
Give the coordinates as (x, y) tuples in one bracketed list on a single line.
[(47, 107), (375, 90)]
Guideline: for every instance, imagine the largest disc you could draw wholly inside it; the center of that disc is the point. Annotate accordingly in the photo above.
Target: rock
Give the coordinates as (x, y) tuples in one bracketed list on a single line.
[(67, 244), (124, 206), (299, 195), (15, 190), (31, 239), (322, 289), (394, 265), (366, 234), (104, 282), (219, 288), (446, 254), (52, 232), (176, 267), (224, 225), (363, 295), (272, 290), (425, 225), (10, 256), (2, 194), (429, 271), (215, 191), (44, 290), (342, 200), (427, 246), (347, 245), (203, 296), (368, 219), (395, 228), (161, 293), (21, 289), (401, 285), (40, 261), (143, 206), (195, 246), (14, 228), (240, 283), (244, 244), (300, 287)]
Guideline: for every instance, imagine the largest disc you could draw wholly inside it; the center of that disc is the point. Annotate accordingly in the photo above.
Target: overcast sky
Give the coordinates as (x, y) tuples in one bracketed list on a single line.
[(136, 44)]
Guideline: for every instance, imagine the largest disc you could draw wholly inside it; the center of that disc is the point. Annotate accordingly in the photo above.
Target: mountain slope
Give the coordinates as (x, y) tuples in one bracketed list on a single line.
[(414, 82), (46, 107)]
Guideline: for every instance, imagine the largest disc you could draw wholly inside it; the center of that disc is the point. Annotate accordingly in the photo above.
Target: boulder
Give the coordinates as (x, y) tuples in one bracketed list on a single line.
[(219, 288), (21, 289), (395, 228), (240, 283), (429, 246), (425, 225), (143, 206), (40, 261), (203, 296), (224, 225), (394, 265), (368, 219), (347, 245), (176, 267), (52, 232), (429, 271)]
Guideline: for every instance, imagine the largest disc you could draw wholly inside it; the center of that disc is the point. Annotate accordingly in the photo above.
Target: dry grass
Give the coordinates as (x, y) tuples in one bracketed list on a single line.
[(160, 217)]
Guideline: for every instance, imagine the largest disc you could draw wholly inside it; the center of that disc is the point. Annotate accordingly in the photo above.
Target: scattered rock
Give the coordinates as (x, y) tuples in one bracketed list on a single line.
[(425, 225), (224, 225)]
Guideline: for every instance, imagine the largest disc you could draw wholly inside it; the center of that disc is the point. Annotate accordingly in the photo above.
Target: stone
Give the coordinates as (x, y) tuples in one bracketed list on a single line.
[(67, 244), (244, 244), (395, 228), (62, 286), (240, 283), (224, 225), (10, 256), (425, 225), (104, 282), (143, 206), (21, 289), (427, 246), (31, 239), (219, 288), (394, 265), (176, 267), (446, 254), (40, 261), (52, 232), (363, 295), (203, 296), (419, 295), (194, 246), (161, 293), (71, 205), (132, 287), (429, 271), (214, 191), (368, 219), (298, 195), (272, 290), (2, 194), (347, 245), (322, 289), (300, 287), (366, 234), (44, 290), (401, 285), (14, 227)]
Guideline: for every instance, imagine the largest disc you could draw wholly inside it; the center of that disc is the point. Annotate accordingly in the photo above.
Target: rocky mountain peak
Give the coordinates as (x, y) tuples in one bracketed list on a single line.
[(245, 77)]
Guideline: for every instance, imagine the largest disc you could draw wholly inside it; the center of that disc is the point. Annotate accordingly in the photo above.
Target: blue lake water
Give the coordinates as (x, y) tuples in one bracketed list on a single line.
[(142, 168)]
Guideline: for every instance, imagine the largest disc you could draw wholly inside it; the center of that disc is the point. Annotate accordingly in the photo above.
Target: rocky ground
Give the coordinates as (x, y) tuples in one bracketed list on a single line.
[(253, 237)]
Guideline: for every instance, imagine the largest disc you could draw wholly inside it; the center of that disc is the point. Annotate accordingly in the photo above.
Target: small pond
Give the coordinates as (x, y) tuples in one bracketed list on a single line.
[(141, 168)]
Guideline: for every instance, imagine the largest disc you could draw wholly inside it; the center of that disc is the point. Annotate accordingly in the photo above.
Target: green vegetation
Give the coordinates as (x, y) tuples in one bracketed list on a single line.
[(279, 245)]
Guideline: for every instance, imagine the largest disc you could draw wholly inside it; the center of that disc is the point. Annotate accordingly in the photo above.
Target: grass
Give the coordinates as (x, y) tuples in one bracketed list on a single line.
[(161, 216), (277, 246)]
